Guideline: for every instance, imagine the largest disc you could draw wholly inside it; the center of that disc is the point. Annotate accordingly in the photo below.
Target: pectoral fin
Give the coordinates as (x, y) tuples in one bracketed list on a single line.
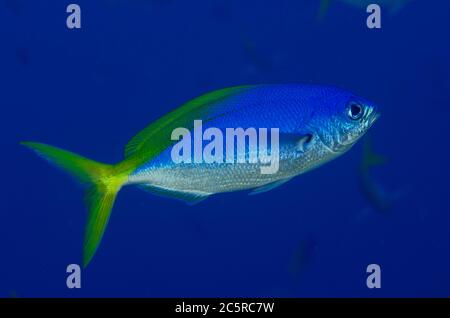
[(304, 142), (300, 142)]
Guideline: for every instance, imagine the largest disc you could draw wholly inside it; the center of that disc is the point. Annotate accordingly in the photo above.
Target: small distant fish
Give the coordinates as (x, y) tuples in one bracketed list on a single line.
[(372, 190), (302, 255), (380, 199), (393, 6), (255, 57), (316, 124), (13, 294)]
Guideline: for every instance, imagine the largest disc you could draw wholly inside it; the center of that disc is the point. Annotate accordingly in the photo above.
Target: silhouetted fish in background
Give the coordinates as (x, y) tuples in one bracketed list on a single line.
[(13, 294), (380, 198), (302, 256), (255, 57), (372, 190)]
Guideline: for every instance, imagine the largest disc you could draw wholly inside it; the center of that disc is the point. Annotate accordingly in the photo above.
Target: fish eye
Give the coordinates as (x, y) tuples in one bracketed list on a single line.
[(355, 111)]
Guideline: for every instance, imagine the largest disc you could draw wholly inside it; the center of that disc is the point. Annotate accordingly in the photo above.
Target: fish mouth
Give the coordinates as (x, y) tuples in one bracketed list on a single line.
[(371, 117), (341, 146)]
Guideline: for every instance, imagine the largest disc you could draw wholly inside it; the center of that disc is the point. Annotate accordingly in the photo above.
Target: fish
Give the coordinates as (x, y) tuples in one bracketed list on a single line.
[(255, 57), (302, 255), (13, 294), (380, 198), (314, 124), (393, 6), (372, 190)]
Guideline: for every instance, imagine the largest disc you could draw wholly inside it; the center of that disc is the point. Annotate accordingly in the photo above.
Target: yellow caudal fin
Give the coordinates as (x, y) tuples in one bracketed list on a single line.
[(102, 183)]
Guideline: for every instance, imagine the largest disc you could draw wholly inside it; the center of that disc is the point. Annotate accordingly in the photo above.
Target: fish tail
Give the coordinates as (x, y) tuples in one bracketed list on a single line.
[(102, 182)]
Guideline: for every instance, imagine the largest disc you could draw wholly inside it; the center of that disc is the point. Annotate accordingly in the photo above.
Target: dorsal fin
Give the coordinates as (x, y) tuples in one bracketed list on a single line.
[(156, 137)]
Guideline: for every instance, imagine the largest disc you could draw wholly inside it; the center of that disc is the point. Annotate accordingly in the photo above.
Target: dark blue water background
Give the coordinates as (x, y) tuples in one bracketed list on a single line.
[(91, 90)]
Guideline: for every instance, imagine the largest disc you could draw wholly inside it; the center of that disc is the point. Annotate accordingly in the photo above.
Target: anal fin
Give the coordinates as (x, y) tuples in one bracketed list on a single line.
[(269, 186), (190, 197)]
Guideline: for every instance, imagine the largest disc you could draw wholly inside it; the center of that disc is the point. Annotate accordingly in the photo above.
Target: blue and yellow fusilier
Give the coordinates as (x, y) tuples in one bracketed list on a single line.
[(315, 124)]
